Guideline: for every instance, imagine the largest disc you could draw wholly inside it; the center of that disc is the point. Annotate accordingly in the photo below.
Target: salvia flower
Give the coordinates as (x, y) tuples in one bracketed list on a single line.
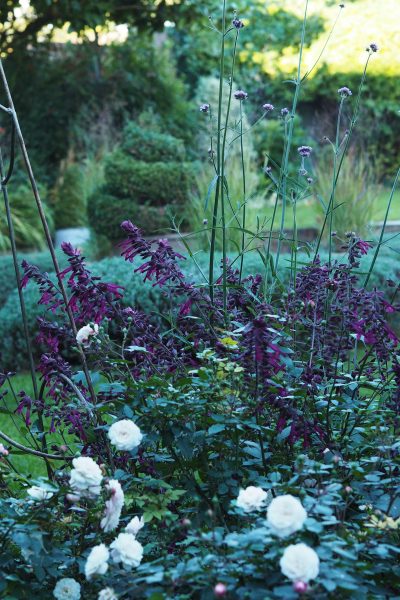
[(300, 563), (97, 561), (125, 435), (160, 263), (114, 506), (285, 515), (252, 498), (268, 107), (204, 108), (237, 23), (304, 150), (240, 95), (67, 589), (345, 92), (126, 550)]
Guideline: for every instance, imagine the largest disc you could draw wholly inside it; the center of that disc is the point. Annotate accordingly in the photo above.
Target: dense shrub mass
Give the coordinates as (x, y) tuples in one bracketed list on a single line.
[(151, 146), (151, 300), (147, 178), (69, 198), (271, 474)]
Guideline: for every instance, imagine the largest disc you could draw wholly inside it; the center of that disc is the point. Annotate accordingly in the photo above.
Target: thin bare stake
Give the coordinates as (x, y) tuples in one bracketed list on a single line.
[(45, 226)]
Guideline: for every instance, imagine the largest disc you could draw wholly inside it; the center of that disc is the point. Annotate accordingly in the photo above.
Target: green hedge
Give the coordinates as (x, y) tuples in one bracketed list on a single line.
[(157, 182), (69, 198), (151, 146), (7, 274), (107, 211)]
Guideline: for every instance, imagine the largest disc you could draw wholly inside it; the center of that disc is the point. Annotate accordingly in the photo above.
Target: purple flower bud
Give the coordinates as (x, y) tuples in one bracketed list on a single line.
[(237, 23), (204, 108), (285, 112), (373, 47), (310, 180), (344, 92), (300, 587), (341, 5), (267, 170), (268, 107), (240, 95), (304, 150), (205, 221), (220, 590)]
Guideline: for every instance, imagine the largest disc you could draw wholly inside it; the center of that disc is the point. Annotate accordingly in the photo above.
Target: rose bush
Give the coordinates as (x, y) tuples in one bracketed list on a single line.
[(244, 445)]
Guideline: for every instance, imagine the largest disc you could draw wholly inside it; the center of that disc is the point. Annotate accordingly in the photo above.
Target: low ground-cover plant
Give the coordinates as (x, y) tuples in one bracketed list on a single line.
[(245, 448)]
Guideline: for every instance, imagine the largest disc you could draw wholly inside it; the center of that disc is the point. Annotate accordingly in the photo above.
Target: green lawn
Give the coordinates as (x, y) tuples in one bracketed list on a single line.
[(13, 425), (310, 215)]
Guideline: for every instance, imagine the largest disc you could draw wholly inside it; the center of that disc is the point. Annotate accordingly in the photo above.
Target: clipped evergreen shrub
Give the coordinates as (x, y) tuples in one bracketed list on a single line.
[(151, 146), (107, 211), (69, 198), (156, 182), (146, 180)]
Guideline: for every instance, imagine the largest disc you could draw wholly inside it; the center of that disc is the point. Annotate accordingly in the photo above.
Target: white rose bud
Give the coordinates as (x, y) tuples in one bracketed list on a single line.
[(252, 498), (85, 333), (127, 550), (67, 589), (125, 435), (300, 563), (39, 494), (135, 525), (97, 561), (85, 477), (285, 515)]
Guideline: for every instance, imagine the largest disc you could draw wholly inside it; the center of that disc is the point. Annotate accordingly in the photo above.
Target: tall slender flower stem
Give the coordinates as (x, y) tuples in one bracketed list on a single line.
[(218, 184), (244, 194), (346, 146), (378, 247), (282, 190), (334, 180), (222, 172)]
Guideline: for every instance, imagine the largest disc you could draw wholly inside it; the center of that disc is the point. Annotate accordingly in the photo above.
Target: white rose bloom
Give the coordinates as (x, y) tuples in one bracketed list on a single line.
[(39, 494), (67, 589), (300, 563), (127, 550), (96, 563), (135, 525), (125, 435), (85, 333), (113, 506), (107, 594), (285, 515), (252, 498), (85, 477)]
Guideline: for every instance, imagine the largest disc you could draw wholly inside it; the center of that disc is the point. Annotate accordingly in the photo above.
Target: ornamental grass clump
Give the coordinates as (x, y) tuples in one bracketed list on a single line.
[(245, 444)]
